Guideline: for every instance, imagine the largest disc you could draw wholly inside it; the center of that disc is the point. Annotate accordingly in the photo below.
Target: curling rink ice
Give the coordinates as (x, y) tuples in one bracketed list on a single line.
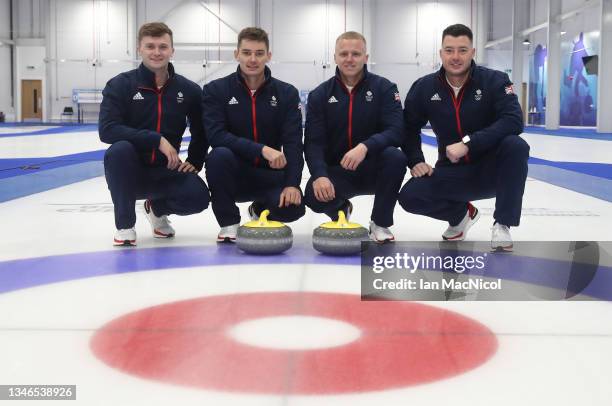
[(190, 322)]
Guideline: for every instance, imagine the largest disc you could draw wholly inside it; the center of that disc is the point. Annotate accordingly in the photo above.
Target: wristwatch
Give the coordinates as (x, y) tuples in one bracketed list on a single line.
[(466, 139)]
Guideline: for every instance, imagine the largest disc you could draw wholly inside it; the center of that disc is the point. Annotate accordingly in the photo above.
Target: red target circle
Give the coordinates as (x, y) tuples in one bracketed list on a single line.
[(186, 343)]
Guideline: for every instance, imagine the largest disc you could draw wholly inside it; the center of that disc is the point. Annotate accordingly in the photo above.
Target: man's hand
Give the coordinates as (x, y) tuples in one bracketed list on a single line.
[(168, 150), (421, 169), (275, 158), (354, 157), (290, 195), (323, 189), (187, 167), (456, 151)]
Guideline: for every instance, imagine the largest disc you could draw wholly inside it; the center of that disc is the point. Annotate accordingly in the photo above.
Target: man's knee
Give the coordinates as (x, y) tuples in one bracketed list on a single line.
[(293, 212), (313, 204), (195, 193), (395, 156), (514, 146), (394, 160), (310, 199), (220, 157), (410, 195), (220, 163), (309, 191), (120, 151), (202, 197)]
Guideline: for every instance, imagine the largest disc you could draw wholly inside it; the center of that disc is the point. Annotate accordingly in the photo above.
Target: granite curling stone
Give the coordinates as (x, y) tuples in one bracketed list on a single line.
[(339, 237), (264, 236)]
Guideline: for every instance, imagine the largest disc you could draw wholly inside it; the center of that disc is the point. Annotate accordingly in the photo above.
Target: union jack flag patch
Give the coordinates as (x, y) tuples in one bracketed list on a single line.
[(397, 97), (509, 89)]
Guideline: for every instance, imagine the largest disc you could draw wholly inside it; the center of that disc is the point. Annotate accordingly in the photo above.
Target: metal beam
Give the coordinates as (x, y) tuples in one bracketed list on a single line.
[(203, 45), (553, 67), (168, 13), (236, 30), (482, 31), (518, 23), (13, 22), (257, 13), (604, 99), (503, 40)]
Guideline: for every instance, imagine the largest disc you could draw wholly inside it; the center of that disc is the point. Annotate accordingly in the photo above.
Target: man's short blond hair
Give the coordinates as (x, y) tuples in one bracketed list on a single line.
[(351, 35)]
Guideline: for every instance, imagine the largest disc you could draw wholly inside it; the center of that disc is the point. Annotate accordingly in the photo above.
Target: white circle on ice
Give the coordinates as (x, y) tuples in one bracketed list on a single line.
[(294, 332)]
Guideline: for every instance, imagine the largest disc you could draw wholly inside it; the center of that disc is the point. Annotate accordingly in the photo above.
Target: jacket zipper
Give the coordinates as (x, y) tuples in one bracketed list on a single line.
[(350, 123), (159, 113), (350, 111), (457, 105), (253, 96)]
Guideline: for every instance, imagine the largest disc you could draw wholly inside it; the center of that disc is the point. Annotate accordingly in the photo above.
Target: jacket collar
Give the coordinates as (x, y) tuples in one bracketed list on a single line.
[(366, 75), (267, 77), (147, 76), (442, 73)]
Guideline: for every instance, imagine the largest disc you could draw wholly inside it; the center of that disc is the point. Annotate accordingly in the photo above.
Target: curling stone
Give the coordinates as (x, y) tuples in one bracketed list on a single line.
[(339, 237), (263, 236)]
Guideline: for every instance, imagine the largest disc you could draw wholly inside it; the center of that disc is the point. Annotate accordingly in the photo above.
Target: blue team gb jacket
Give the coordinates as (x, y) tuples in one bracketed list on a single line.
[(245, 123), (337, 120), (134, 110), (486, 109)]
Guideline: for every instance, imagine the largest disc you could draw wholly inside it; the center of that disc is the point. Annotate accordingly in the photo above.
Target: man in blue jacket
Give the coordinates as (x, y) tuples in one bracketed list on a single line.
[(143, 115), (353, 129), (477, 120), (254, 124)]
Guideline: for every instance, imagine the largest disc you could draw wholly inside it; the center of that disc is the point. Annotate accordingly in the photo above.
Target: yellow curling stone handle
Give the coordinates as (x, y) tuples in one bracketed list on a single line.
[(263, 222), (341, 223)]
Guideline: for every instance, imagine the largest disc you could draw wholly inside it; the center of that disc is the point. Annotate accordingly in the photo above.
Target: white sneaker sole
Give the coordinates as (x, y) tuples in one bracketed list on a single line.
[(159, 234), (499, 248), (373, 238), (226, 239), (124, 243), (462, 235)]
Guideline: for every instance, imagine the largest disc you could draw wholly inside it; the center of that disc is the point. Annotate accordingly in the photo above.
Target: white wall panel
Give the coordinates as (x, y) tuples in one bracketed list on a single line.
[(5, 80), (539, 11), (408, 36), (568, 5), (4, 19), (5, 58), (501, 19)]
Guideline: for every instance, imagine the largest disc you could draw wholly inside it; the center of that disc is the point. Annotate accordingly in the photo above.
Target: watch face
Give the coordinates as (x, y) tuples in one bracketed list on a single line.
[(466, 139)]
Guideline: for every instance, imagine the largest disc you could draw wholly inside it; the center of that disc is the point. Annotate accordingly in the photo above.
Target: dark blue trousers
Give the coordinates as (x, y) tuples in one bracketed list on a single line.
[(379, 175), (170, 192), (501, 173), (232, 179)]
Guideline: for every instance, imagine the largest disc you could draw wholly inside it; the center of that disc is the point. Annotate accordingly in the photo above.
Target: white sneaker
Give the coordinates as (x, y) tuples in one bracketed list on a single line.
[(126, 237), (380, 234), (160, 225), (501, 240), (458, 232), (228, 233)]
